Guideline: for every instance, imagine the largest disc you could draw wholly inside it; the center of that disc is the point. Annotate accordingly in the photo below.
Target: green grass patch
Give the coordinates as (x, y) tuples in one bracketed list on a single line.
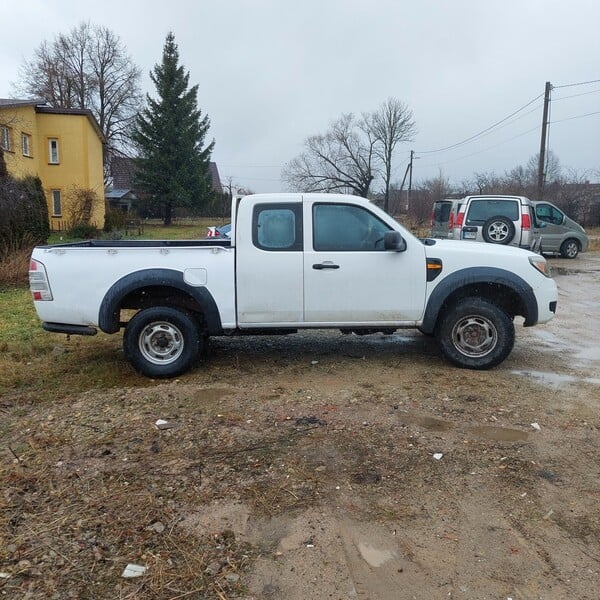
[(182, 229), (50, 365)]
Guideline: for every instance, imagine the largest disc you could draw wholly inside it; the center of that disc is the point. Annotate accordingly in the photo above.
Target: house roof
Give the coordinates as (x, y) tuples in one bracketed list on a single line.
[(41, 106), (117, 194), (216, 180), (123, 173), (13, 103)]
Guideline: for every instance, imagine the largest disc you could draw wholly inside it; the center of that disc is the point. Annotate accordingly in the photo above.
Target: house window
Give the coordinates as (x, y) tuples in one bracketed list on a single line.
[(5, 138), (53, 157), (26, 144), (56, 203)]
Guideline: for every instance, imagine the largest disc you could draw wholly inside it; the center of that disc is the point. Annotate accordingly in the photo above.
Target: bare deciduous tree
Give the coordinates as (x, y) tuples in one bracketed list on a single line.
[(87, 68), (341, 160), (352, 152), (391, 124)]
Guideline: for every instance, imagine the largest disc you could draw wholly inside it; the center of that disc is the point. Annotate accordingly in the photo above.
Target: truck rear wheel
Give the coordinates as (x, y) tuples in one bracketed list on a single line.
[(475, 334), (161, 341)]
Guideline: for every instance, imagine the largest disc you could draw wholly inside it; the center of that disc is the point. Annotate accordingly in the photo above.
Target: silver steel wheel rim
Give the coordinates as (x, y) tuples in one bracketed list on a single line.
[(161, 343), (571, 249), (498, 231), (474, 336)]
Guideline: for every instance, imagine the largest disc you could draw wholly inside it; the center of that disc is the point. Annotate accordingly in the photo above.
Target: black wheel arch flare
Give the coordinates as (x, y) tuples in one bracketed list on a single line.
[(108, 317), (487, 278)]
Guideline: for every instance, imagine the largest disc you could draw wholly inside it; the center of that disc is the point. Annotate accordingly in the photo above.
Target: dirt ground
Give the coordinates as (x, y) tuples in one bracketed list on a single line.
[(323, 466)]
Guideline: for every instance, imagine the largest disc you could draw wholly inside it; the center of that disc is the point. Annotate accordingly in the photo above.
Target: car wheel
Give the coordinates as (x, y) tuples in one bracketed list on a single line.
[(162, 341), (475, 334), (498, 230), (569, 249)]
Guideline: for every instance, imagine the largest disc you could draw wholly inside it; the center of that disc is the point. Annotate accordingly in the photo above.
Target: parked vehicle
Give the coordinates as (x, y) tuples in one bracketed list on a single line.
[(559, 234), (495, 219), (219, 231), (293, 262), (442, 218)]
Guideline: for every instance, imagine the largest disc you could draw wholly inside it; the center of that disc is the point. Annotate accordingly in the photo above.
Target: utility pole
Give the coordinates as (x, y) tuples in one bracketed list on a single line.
[(541, 164), (410, 165)]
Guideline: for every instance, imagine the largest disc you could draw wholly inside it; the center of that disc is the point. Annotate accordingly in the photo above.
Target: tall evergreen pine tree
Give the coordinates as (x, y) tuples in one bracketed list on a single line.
[(173, 166)]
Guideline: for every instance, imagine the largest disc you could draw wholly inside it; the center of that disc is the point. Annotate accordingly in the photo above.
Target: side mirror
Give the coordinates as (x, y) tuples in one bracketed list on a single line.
[(392, 240), (542, 224)]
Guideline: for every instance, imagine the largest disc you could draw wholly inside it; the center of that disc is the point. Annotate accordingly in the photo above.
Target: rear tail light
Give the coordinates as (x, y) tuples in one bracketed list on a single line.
[(526, 221), (38, 281), (451, 221), (459, 219)]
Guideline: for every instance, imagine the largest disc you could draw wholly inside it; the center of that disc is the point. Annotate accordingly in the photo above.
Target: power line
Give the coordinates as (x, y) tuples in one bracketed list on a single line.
[(473, 137), (481, 151), (556, 87), (575, 95), (577, 117)]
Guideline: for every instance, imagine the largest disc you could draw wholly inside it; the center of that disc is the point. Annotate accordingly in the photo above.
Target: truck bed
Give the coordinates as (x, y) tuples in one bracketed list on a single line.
[(205, 242)]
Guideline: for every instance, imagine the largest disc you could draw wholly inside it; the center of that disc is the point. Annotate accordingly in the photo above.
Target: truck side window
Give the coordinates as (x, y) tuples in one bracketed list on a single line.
[(277, 227), (346, 228)]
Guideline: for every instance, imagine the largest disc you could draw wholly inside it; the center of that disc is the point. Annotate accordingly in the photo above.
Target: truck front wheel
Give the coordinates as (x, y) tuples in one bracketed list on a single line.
[(161, 341), (475, 334)]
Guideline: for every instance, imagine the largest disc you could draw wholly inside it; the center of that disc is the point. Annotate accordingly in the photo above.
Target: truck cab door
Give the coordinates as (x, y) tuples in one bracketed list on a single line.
[(269, 264), (349, 278)]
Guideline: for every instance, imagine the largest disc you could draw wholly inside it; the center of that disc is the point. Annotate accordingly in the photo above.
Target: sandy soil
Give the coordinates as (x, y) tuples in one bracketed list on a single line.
[(366, 467)]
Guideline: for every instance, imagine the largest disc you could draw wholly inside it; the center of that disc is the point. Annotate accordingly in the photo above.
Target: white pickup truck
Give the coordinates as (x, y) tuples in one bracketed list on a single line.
[(293, 261)]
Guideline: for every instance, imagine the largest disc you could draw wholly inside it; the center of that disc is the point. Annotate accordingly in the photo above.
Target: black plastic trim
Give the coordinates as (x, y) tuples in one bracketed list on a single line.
[(69, 329), (475, 275), (108, 317)]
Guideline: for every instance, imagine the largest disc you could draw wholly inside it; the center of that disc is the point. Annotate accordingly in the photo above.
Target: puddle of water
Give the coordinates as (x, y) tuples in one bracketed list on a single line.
[(564, 271), (428, 422), (499, 434), (374, 556), (488, 432), (556, 380)]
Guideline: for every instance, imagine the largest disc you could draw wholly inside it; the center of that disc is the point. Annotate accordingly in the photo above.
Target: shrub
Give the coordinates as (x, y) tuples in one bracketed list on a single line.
[(114, 218), (83, 231), (80, 206), (23, 214)]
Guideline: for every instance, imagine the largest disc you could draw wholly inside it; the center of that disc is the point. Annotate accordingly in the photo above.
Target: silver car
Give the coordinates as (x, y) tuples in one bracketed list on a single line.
[(559, 234), (496, 219)]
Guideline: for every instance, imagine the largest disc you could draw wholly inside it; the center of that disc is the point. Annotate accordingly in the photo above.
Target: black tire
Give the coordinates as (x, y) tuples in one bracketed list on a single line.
[(569, 248), (161, 341), (498, 230), (475, 334)]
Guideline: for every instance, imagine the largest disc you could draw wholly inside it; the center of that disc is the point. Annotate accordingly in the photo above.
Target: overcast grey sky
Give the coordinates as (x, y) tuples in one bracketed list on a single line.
[(272, 72)]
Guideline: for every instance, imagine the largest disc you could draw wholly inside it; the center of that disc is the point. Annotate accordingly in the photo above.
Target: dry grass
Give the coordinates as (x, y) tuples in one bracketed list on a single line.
[(86, 495), (14, 268), (594, 235)]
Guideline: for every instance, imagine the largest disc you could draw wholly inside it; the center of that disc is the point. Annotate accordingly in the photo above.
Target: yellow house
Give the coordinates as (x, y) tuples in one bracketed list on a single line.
[(63, 147)]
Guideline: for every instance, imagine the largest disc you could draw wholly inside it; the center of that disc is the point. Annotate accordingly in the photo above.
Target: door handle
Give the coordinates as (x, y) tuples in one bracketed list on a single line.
[(327, 265)]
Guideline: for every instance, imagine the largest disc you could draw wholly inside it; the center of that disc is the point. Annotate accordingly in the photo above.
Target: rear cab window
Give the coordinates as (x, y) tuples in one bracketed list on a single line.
[(277, 227)]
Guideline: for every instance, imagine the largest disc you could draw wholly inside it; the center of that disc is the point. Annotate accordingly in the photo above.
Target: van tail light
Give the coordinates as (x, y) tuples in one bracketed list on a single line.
[(526, 220), (38, 281), (451, 221), (459, 219)]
